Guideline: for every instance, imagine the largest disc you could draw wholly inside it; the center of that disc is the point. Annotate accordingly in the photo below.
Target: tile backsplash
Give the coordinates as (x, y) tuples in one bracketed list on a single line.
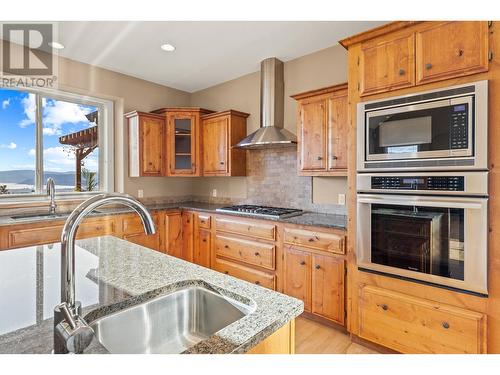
[(272, 180)]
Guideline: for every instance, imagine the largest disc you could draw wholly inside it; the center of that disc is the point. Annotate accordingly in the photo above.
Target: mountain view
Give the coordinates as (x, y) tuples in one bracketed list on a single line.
[(23, 181)]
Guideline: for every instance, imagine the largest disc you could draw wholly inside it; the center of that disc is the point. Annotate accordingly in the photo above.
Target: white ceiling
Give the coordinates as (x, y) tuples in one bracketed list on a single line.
[(207, 53)]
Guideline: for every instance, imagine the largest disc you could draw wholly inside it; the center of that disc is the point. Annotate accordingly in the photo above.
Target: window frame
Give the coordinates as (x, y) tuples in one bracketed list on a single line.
[(105, 137)]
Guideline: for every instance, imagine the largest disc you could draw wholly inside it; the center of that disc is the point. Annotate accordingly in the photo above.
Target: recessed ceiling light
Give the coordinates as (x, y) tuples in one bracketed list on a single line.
[(167, 47), (56, 45)]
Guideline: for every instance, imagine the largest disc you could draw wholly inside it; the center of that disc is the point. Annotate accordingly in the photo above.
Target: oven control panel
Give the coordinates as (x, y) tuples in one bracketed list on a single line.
[(459, 129), (440, 183)]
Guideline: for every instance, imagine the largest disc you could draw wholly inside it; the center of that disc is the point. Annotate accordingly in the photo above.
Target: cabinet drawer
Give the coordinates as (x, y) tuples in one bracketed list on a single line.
[(96, 227), (246, 228), (251, 252), (204, 221), (35, 235), (132, 224), (248, 274), (414, 325), (331, 242)]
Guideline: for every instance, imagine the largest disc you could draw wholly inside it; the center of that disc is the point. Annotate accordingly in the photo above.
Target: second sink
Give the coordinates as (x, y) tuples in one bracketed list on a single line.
[(170, 323)]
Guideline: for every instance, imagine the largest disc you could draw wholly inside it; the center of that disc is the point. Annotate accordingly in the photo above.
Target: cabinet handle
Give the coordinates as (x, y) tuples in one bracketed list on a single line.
[(428, 66), (317, 266), (257, 254), (221, 163), (402, 72), (384, 307), (226, 246), (320, 157), (334, 157), (204, 240), (302, 263), (460, 52), (446, 325), (226, 272), (257, 282)]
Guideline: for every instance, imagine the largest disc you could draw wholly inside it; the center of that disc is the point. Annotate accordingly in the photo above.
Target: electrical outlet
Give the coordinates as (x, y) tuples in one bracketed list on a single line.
[(140, 193), (214, 193), (341, 199)]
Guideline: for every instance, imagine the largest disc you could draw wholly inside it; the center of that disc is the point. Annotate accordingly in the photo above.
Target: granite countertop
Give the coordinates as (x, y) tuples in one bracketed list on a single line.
[(307, 218), (112, 274)]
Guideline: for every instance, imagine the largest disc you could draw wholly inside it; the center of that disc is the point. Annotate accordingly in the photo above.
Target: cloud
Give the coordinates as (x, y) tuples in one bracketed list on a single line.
[(5, 103), (29, 105), (11, 146), (56, 113), (62, 159), (32, 152)]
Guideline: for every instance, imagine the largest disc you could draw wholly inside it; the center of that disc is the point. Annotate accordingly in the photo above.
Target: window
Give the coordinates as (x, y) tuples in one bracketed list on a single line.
[(54, 135)]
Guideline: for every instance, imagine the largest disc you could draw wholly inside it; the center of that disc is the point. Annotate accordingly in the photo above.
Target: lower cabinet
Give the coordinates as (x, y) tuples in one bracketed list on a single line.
[(173, 244), (133, 231), (240, 271), (316, 279), (187, 235), (414, 325)]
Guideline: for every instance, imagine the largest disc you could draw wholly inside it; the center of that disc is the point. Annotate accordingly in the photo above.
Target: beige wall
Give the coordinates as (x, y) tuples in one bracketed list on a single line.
[(323, 68)]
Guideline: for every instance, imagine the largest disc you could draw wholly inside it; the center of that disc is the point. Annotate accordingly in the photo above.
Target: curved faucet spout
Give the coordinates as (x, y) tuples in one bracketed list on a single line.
[(68, 326), (71, 226)]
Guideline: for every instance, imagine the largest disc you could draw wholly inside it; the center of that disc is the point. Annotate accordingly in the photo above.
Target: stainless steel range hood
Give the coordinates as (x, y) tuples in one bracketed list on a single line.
[(272, 94)]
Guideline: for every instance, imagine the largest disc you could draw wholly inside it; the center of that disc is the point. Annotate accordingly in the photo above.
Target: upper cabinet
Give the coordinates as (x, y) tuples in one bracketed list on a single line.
[(322, 131), (220, 132), (387, 64), (146, 144), (182, 142), (451, 49), (419, 53)]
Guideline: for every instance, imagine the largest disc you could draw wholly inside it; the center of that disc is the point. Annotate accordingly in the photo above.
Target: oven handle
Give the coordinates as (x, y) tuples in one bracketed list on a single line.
[(468, 203)]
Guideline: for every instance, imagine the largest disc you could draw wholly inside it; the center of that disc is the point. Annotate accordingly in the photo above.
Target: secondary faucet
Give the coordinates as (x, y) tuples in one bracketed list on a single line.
[(51, 192), (71, 332)]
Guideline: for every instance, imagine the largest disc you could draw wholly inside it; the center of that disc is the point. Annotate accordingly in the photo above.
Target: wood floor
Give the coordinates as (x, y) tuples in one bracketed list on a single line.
[(315, 338)]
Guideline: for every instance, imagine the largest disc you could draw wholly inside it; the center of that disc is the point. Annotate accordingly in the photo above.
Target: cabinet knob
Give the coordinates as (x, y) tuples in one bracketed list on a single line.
[(334, 157), (384, 307), (204, 240), (320, 157), (221, 163), (460, 52), (226, 246), (226, 272), (257, 254), (446, 325), (257, 282), (302, 263), (317, 266), (428, 66), (402, 72)]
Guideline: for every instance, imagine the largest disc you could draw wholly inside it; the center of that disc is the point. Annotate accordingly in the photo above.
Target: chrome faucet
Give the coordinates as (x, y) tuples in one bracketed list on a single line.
[(71, 332), (51, 192)]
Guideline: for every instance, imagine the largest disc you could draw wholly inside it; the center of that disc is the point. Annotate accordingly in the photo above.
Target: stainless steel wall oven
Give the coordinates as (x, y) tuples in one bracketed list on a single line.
[(425, 226)]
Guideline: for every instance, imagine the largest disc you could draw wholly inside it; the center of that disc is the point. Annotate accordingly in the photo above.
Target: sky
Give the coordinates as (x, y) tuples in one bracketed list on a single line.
[(17, 132)]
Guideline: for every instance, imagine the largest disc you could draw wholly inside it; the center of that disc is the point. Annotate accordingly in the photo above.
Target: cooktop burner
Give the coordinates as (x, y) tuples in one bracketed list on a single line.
[(261, 211)]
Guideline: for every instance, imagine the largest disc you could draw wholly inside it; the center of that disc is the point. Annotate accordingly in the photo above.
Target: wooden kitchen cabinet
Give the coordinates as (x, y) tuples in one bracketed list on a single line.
[(387, 63), (328, 287), (146, 144), (297, 279), (133, 231), (187, 235), (322, 131), (416, 53), (182, 141), (173, 234), (451, 49), (220, 132), (415, 325), (202, 239)]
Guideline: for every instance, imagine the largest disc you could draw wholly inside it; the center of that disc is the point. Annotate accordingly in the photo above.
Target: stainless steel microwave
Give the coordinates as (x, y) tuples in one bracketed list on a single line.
[(433, 130)]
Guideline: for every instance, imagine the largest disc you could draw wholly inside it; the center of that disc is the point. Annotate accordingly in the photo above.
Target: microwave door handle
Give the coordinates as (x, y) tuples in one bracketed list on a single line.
[(449, 203)]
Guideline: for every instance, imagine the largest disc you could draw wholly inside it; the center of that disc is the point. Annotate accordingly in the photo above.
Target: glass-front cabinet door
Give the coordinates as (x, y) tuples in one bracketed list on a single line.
[(183, 133)]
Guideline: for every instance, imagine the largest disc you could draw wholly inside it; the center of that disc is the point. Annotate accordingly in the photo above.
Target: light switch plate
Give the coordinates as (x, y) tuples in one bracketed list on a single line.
[(214, 193), (140, 193)]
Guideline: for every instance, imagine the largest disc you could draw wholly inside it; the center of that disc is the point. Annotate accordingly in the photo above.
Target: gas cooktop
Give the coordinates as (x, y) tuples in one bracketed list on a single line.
[(261, 211)]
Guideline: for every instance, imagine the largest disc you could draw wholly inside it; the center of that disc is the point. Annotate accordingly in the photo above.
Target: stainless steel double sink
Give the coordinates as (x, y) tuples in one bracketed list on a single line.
[(170, 323)]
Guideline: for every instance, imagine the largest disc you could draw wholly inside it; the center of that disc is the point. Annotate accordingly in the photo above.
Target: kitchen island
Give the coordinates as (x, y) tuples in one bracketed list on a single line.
[(112, 275)]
